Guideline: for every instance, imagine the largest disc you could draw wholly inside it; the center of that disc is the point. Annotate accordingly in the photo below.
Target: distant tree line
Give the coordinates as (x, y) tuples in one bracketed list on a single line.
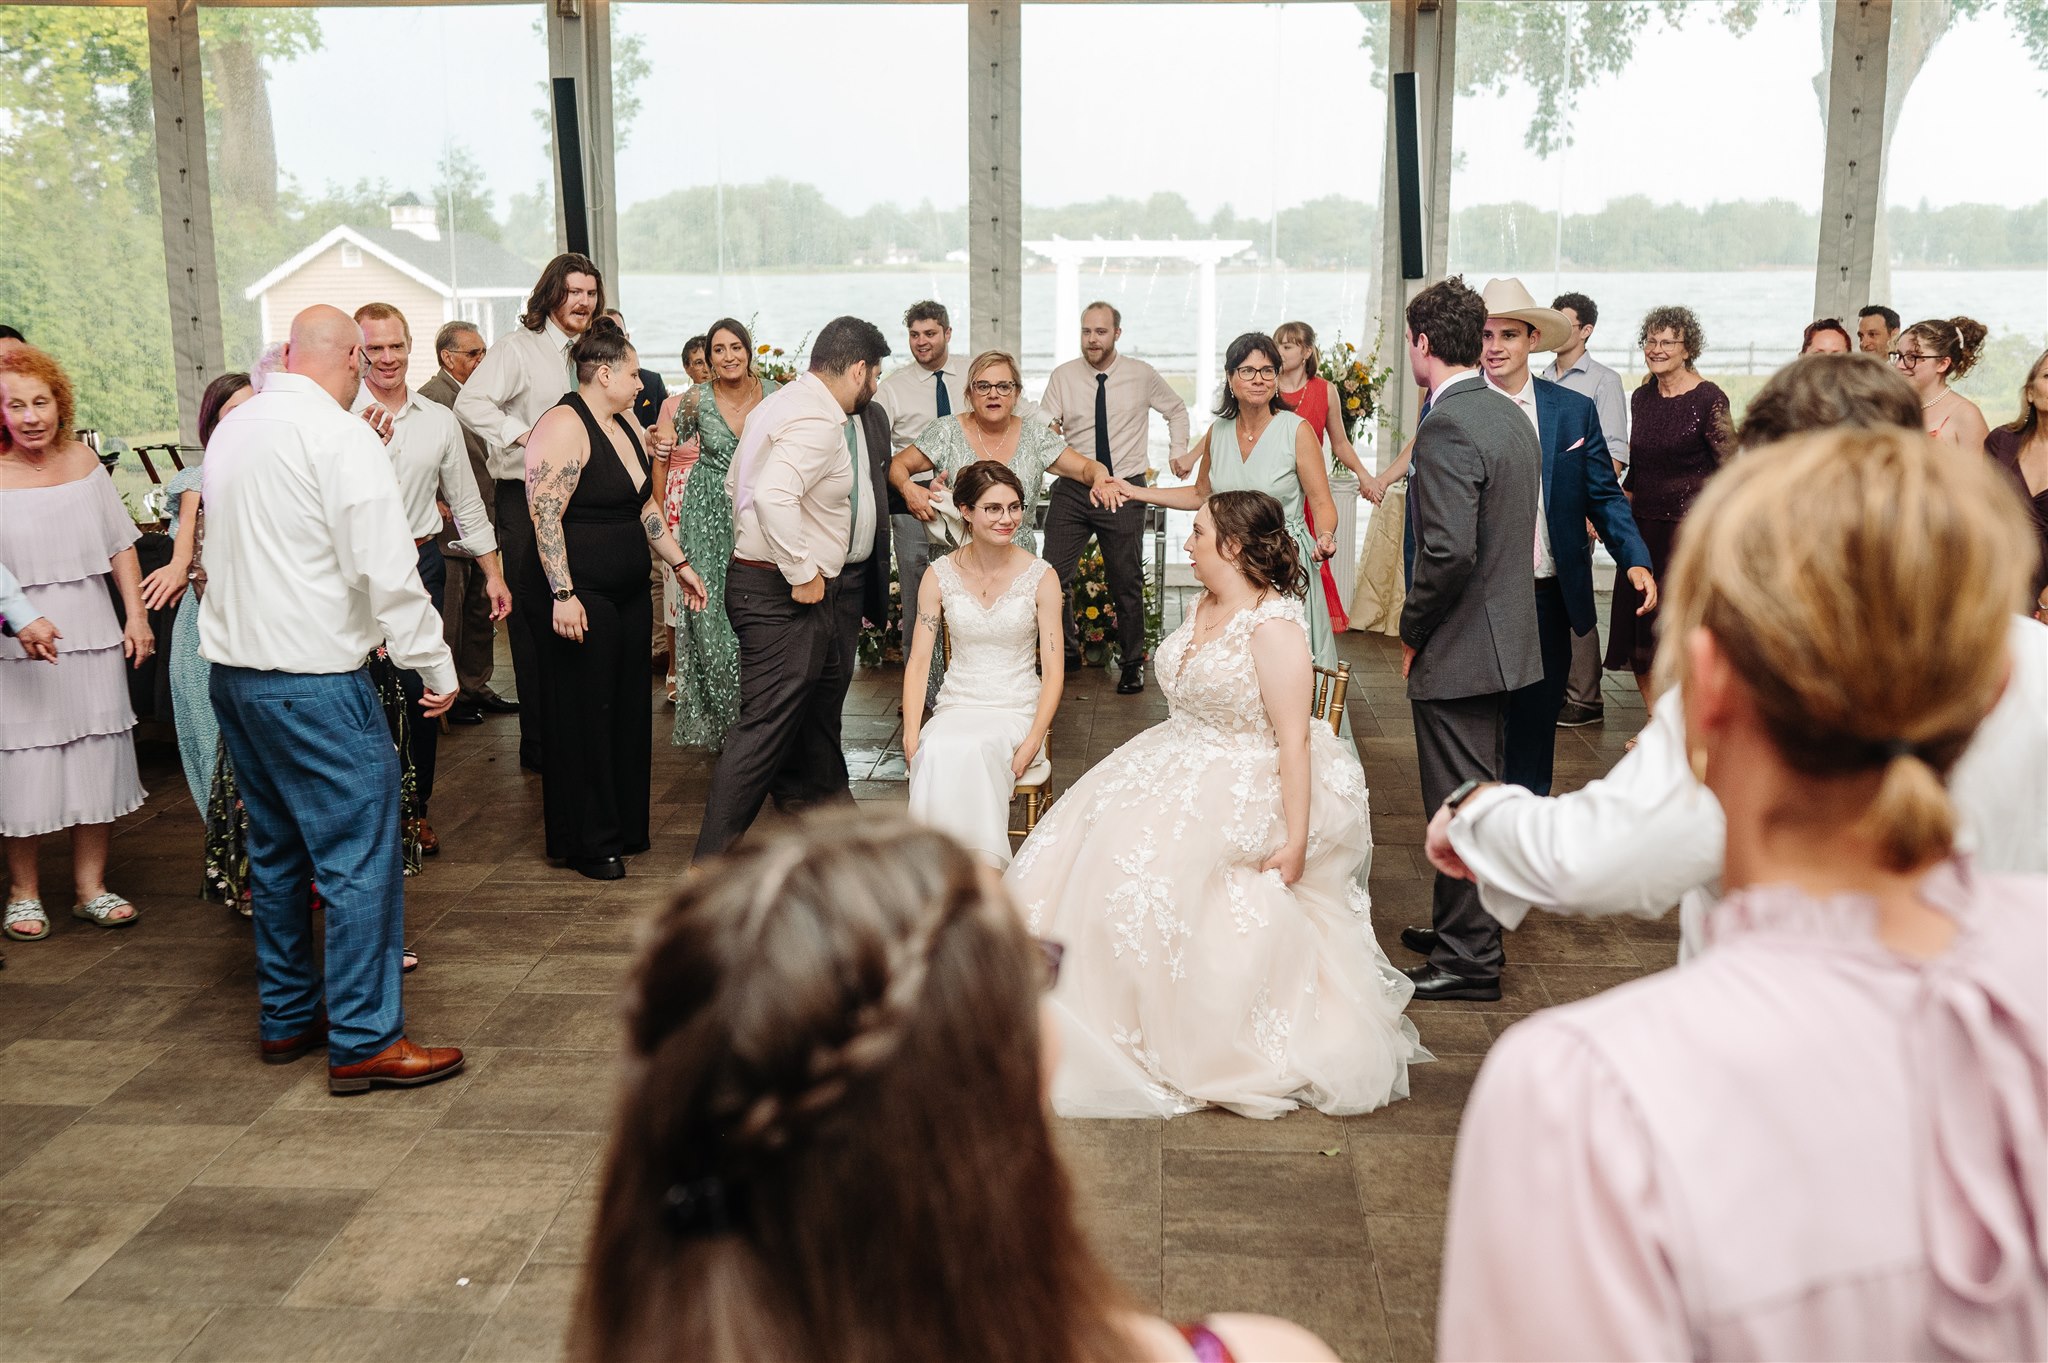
[(783, 224)]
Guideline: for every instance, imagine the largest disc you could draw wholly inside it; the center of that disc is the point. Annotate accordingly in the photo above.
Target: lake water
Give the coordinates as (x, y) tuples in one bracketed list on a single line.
[(1737, 310)]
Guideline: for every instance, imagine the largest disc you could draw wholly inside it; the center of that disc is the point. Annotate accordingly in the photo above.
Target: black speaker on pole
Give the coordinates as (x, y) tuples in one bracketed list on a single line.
[(1408, 173), (569, 155)]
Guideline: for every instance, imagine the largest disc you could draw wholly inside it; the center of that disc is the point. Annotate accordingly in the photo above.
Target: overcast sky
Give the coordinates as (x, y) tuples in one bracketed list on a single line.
[(1253, 105)]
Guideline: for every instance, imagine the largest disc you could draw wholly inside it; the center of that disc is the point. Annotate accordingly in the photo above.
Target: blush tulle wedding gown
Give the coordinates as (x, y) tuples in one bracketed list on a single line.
[(1191, 978)]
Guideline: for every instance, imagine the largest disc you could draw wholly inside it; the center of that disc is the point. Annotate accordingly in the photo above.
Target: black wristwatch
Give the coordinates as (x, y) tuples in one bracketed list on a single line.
[(565, 593), (1463, 793)]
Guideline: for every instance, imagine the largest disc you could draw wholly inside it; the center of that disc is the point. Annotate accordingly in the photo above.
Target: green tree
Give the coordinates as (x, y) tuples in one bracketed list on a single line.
[(462, 201), (82, 269), (1556, 50)]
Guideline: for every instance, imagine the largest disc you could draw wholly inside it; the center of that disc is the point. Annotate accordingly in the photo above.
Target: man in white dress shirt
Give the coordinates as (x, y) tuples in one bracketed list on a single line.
[(1103, 404), (432, 465), (1586, 376), (913, 397), (310, 566), (526, 372), (805, 515)]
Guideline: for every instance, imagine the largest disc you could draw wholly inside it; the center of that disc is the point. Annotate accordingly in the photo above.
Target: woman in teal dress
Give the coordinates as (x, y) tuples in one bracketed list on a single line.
[(1257, 445), (707, 650)]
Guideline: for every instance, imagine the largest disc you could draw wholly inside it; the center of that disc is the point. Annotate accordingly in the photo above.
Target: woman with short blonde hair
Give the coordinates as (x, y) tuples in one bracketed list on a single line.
[(1855, 1068)]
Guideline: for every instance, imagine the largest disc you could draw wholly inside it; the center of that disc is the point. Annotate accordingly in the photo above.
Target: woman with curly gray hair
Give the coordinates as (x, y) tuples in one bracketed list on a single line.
[(1679, 432)]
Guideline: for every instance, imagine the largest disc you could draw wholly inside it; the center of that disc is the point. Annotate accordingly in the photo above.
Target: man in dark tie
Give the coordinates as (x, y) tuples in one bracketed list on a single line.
[(1103, 404), (912, 398), (1468, 628)]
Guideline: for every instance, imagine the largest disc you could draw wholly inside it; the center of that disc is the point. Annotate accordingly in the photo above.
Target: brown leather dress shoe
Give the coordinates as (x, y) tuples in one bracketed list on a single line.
[(402, 1064), (430, 845), (292, 1047)]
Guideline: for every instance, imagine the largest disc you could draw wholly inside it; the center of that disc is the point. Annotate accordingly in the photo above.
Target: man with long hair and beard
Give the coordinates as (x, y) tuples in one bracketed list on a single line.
[(525, 373)]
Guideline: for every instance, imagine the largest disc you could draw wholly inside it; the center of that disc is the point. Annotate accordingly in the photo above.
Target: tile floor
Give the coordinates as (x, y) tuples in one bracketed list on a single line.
[(164, 1195)]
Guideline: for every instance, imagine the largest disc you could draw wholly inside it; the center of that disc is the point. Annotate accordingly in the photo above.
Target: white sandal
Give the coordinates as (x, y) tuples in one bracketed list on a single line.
[(99, 910), (25, 911)]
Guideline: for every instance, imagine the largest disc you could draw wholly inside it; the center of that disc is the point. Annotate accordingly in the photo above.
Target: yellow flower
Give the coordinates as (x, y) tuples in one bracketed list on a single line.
[(1093, 612), (763, 350), (1351, 405)]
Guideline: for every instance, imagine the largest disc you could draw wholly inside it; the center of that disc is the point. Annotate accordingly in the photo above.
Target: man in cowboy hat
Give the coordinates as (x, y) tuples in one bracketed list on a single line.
[(1578, 487)]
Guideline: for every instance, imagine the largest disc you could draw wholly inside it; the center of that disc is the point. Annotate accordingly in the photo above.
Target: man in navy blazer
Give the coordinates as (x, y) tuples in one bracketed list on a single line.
[(1578, 488)]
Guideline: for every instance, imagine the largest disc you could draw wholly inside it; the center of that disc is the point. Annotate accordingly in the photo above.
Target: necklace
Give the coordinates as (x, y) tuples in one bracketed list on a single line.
[(980, 578), (973, 425), (1946, 394)]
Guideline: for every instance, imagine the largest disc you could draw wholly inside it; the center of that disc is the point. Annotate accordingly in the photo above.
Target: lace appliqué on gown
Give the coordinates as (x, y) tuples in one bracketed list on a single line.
[(1192, 978)]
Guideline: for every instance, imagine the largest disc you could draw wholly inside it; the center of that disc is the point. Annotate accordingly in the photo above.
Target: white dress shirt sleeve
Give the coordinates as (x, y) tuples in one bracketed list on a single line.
[(1633, 842), (458, 489), (485, 402), (375, 553), (14, 604), (1612, 406), (1167, 403), (797, 459)]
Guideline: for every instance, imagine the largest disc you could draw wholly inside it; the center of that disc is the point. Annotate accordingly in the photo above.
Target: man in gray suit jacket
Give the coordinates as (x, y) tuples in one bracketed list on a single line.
[(1468, 630)]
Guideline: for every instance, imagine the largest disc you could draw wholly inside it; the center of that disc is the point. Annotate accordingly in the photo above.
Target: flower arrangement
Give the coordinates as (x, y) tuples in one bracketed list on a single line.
[(879, 639), (770, 363), (1358, 381)]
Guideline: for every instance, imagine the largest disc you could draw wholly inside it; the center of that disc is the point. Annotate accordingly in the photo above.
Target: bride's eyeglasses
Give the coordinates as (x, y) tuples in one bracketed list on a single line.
[(983, 388)]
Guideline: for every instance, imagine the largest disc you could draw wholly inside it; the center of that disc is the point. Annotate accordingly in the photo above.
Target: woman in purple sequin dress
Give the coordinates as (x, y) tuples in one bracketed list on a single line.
[(1679, 432)]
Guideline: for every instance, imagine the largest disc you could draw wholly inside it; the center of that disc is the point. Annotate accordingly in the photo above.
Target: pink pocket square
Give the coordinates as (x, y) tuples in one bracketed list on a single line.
[(1575, 444)]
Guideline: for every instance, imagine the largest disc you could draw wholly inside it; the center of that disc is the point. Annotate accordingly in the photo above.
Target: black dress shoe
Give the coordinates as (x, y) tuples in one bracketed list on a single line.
[(465, 714), (530, 762), (1434, 982), (1421, 941), (606, 868), (1132, 681), (492, 703)]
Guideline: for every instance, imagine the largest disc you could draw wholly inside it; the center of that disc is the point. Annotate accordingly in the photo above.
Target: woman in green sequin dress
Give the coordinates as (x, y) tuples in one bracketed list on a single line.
[(707, 650)]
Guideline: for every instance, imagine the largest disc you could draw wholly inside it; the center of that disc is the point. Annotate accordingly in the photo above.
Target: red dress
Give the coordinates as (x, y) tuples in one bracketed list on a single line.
[(1312, 404)]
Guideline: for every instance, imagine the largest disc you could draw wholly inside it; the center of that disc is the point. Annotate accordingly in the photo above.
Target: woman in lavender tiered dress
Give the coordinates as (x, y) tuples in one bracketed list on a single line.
[(1827, 1136), (67, 757)]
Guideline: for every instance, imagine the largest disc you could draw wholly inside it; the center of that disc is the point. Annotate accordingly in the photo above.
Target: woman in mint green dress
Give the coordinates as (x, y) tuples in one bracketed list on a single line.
[(707, 650), (1257, 445)]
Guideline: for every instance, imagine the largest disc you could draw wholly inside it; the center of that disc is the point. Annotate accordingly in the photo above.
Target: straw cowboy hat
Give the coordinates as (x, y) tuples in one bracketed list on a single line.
[(1507, 298)]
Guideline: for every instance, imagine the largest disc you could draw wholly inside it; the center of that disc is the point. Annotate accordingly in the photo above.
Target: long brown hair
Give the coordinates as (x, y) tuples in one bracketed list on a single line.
[(1821, 567), (832, 1143), (553, 286), (2029, 420)]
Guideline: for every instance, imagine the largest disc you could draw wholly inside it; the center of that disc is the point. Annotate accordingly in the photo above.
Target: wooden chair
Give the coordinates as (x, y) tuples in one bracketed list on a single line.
[(1037, 777), (1328, 705)]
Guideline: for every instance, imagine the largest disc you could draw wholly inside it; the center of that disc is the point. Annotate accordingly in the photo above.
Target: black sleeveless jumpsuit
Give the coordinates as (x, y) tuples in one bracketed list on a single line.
[(594, 694)]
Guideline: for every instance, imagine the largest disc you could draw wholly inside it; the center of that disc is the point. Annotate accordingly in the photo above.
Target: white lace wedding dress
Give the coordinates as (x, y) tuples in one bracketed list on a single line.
[(1191, 978), (960, 779)]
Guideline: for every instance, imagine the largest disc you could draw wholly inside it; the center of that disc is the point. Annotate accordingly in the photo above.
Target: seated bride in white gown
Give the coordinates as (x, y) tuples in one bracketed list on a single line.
[(1207, 879), (1001, 605)]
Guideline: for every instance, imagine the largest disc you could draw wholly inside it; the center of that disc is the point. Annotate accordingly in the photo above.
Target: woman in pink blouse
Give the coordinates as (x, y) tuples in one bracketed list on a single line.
[(1826, 1138)]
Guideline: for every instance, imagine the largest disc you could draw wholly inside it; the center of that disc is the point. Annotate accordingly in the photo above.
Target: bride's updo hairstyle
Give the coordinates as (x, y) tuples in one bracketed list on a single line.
[(1825, 568), (831, 1141), (1255, 527), (972, 483)]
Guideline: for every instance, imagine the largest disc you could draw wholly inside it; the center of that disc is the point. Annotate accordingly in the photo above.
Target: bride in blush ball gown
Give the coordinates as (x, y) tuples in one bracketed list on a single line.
[(1002, 606), (1207, 879)]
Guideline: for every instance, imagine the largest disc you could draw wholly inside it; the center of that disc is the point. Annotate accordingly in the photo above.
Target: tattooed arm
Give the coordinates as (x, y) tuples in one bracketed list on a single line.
[(918, 666), (555, 455), (656, 527)]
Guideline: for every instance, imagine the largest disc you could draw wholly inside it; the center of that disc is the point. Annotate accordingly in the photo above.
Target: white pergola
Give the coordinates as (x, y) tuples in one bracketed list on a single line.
[(1067, 256)]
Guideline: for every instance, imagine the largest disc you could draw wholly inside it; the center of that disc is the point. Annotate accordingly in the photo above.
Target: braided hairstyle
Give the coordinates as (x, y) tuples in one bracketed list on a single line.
[(1821, 572), (1267, 555), (832, 1141)]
